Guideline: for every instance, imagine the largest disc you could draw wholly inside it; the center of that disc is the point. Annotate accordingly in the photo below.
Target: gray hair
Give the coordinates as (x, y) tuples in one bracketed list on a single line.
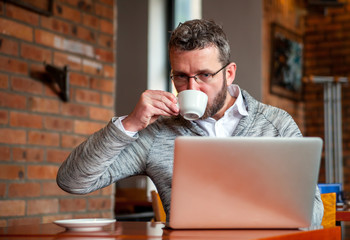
[(199, 34)]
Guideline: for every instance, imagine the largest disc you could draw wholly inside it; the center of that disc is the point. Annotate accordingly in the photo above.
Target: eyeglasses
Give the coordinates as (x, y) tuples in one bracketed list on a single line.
[(182, 79)]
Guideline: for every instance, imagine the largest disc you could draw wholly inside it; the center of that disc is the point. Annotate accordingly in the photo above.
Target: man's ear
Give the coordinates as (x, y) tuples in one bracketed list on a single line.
[(230, 73)]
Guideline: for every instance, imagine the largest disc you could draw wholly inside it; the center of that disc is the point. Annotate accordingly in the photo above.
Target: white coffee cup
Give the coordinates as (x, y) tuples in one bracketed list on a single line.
[(192, 104)]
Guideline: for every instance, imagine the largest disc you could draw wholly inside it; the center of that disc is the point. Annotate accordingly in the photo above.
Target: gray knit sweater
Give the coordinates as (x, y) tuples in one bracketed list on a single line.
[(110, 155)]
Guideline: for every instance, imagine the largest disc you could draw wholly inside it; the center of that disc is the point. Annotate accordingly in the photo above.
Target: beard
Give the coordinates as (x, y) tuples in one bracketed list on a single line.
[(218, 102)]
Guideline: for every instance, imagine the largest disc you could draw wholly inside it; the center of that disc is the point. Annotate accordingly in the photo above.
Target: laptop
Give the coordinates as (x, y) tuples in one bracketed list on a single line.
[(244, 182)]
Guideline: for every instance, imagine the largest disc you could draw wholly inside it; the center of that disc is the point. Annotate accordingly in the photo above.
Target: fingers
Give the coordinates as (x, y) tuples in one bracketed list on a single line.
[(151, 105), (160, 102)]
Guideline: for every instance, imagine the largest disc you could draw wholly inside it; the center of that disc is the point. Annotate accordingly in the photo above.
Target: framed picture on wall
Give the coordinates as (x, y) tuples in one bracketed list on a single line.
[(286, 63), (43, 7)]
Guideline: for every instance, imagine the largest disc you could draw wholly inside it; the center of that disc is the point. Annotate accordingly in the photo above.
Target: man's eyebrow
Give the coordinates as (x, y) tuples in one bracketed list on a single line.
[(197, 72), (178, 73)]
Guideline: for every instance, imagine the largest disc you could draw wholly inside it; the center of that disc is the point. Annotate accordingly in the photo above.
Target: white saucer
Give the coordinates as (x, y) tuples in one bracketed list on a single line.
[(86, 224)]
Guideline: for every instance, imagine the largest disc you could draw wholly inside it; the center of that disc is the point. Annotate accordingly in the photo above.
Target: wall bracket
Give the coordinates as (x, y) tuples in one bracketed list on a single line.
[(61, 77)]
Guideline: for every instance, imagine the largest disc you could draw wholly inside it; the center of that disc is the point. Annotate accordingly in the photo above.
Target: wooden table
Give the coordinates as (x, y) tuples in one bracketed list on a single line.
[(147, 230)]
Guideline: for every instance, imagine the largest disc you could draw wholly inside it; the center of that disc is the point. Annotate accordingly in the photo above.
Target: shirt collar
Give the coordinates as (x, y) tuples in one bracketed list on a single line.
[(239, 104), (238, 108)]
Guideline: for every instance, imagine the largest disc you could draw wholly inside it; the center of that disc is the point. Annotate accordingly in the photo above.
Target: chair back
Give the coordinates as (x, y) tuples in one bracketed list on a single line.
[(329, 203), (159, 213)]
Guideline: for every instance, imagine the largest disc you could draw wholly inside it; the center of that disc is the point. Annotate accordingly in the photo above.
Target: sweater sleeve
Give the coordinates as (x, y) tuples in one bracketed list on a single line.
[(101, 160)]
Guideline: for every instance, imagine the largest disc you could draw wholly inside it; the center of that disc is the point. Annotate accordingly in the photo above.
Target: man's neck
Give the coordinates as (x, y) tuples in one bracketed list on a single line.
[(229, 101)]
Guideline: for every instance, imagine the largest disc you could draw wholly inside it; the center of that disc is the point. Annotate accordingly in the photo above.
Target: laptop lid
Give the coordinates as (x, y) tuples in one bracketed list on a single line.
[(244, 182)]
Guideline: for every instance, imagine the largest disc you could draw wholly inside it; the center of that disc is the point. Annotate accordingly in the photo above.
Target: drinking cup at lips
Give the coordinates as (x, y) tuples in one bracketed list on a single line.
[(192, 104)]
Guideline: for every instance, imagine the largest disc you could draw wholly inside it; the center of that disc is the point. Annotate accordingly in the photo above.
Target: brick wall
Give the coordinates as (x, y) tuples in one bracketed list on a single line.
[(326, 53), (288, 14), (37, 129)]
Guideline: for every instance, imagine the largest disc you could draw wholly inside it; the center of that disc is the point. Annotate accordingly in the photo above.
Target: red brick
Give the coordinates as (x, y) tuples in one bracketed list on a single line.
[(9, 208), (107, 100), (9, 46), (106, 27), (108, 191), (5, 154), (42, 206), (12, 136), (92, 67), (2, 190), (336, 12), (67, 12), (18, 30), (71, 141), (108, 71), (3, 223), (101, 114), (88, 215), (87, 96), (107, 214), (85, 34), (85, 127), (45, 105), (62, 59), (22, 154), (11, 172), (104, 11), (56, 25), (37, 70), (79, 79), (104, 55), (56, 156), (52, 218), (47, 38), (43, 138), (42, 172), (35, 53), (108, 2), (84, 5), (102, 85), (105, 41), (94, 193), (59, 124), (26, 120), (22, 14), (100, 203), (4, 117), (29, 85), (13, 65), (4, 81), (24, 221), (27, 189), (72, 205), (71, 109), (90, 21), (12, 100), (52, 189)]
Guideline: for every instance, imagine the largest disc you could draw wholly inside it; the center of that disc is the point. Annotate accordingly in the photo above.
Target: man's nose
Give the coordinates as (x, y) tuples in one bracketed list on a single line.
[(192, 84)]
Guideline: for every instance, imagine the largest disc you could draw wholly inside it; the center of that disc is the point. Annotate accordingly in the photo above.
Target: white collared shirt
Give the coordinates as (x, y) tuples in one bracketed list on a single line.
[(225, 126)]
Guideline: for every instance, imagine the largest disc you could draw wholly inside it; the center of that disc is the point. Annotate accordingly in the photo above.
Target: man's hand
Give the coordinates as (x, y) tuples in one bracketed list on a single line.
[(151, 105)]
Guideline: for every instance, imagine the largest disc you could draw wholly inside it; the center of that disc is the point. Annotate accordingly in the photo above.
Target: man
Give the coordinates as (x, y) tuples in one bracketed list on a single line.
[(143, 141)]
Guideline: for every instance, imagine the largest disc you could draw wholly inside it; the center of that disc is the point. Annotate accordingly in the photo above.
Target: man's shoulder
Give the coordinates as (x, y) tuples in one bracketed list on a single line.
[(258, 108)]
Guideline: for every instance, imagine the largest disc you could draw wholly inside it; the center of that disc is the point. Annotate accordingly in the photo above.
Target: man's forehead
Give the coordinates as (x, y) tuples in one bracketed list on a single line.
[(198, 57)]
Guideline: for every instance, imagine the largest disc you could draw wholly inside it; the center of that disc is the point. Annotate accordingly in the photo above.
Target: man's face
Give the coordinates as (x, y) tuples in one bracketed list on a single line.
[(195, 62)]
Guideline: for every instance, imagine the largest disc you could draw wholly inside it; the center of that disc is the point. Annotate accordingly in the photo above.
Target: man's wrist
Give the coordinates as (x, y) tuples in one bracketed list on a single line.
[(119, 123)]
